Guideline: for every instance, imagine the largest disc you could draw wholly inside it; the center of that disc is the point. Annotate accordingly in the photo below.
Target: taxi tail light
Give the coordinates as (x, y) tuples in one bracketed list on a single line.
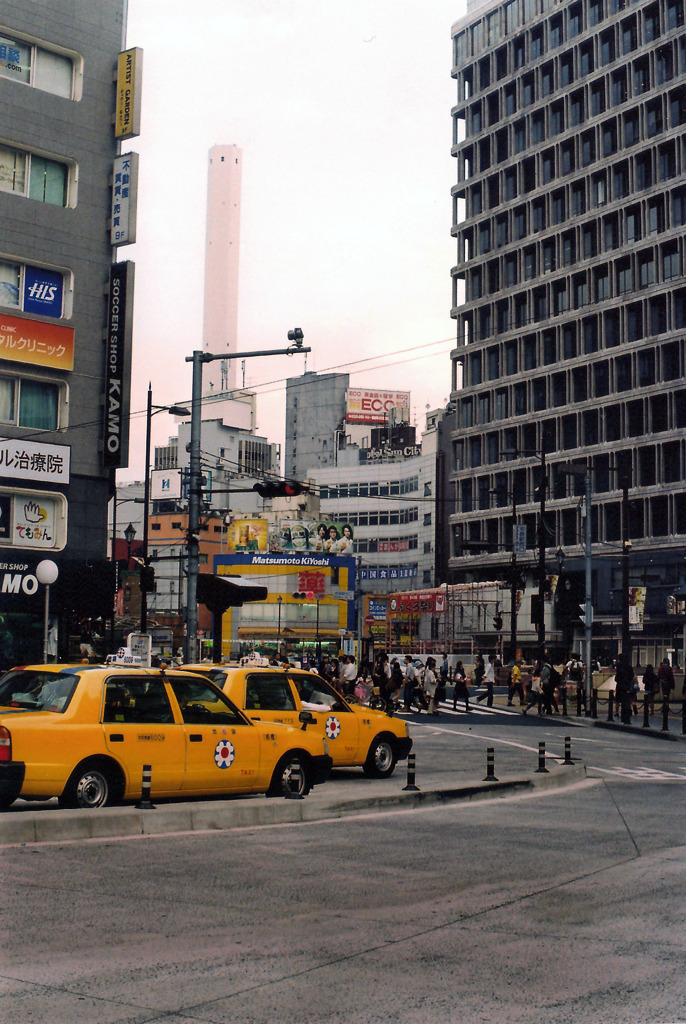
[(5, 744)]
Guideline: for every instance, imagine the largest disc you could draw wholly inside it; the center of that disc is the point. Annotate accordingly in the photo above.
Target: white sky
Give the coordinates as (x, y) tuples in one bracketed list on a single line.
[(342, 111)]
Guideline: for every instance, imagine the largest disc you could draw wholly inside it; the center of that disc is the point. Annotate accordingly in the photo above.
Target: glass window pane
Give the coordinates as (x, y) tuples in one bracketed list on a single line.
[(48, 182), (6, 400), (53, 73), (12, 170), (9, 284), (15, 59), (38, 405)]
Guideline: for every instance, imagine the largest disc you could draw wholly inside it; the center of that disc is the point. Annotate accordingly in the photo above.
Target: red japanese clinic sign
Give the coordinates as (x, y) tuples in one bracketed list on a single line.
[(366, 406), (32, 341)]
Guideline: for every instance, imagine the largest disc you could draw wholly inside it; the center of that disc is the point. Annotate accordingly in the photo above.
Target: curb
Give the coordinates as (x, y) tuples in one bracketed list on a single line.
[(110, 822), (658, 734)]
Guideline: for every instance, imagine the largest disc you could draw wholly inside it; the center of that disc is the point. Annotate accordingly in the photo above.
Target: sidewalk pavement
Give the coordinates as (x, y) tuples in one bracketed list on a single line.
[(24, 824), (655, 730)]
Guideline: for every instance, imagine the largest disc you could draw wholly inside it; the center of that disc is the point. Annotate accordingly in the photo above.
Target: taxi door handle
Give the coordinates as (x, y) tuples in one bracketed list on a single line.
[(195, 737), (116, 737)]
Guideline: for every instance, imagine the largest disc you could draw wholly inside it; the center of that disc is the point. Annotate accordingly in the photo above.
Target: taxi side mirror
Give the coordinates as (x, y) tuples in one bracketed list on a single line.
[(307, 718)]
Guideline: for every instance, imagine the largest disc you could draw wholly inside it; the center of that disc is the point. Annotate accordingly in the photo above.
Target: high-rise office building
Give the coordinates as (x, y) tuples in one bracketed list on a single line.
[(569, 290)]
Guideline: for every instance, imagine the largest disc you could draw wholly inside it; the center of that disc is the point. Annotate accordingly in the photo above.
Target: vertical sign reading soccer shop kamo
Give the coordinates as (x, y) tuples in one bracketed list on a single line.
[(118, 365)]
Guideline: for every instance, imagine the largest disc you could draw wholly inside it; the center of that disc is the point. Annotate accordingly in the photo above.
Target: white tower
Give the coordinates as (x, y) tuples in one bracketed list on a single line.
[(220, 314)]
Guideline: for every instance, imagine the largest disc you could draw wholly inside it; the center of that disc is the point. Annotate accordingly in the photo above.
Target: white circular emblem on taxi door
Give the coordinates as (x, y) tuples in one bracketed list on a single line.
[(224, 754), (332, 727)]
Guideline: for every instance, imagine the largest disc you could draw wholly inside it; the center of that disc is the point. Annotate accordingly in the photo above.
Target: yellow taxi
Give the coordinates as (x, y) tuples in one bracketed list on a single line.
[(83, 734), (356, 734)]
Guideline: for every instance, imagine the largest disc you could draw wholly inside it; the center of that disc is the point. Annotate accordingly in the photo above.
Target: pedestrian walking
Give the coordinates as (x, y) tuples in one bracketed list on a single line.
[(625, 680), (651, 685), (516, 684), (350, 676), (396, 682), (536, 690), (410, 681), (431, 685), (574, 672), (489, 681), (667, 684), (550, 681), (460, 688)]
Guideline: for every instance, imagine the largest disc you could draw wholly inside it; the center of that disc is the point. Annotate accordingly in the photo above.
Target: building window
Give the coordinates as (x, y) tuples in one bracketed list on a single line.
[(33, 289), (35, 66), (25, 402), (47, 180), (671, 263), (646, 269)]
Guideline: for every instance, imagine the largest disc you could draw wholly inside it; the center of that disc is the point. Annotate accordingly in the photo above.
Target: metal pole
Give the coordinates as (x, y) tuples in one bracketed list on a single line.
[(541, 558), (196, 482), (513, 584), (626, 546), (46, 623), (588, 588), (194, 496), (146, 505)]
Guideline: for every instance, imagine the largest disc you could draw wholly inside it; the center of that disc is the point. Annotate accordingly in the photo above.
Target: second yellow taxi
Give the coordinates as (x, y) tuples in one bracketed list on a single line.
[(356, 734)]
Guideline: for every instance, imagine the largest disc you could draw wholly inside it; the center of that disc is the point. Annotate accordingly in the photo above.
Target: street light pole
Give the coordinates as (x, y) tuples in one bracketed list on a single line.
[(146, 504), (176, 410), (513, 582), (541, 557), (195, 479)]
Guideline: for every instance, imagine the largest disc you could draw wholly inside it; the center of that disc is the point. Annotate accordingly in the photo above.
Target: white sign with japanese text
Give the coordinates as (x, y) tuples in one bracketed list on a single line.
[(124, 199), (34, 460)]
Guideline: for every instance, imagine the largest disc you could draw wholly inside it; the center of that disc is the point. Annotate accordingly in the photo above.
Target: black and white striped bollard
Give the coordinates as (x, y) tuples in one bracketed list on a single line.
[(541, 757), (490, 765), (568, 750), (145, 803), (410, 774)]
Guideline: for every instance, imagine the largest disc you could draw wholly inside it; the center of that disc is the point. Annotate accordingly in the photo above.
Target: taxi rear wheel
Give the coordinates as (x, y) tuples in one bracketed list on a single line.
[(291, 777), (381, 759), (90, 785)]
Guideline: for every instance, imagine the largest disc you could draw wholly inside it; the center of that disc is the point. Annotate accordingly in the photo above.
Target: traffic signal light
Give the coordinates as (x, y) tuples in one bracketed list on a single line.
[(279, 488), (498, 622), (148, 579), (570, 600), (582, 614), (303, 595)]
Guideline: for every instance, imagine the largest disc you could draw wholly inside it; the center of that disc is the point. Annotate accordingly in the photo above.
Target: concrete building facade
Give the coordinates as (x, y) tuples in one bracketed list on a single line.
[(57, 147), (569, 292)]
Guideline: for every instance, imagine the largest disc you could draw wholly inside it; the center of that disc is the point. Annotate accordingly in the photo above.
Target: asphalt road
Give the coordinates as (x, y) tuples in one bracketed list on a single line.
[(565, 907)]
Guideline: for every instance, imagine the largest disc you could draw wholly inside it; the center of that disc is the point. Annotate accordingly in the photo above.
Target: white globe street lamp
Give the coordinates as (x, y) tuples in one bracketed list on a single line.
[(46, 573)]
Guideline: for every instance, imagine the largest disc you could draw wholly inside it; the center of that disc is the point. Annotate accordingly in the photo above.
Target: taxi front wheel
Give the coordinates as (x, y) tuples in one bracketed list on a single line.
[(381, 759), (90, 785), (291, 777)]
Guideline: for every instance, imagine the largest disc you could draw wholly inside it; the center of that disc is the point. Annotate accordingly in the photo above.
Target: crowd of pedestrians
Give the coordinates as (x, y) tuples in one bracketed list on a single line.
[(412, 683)]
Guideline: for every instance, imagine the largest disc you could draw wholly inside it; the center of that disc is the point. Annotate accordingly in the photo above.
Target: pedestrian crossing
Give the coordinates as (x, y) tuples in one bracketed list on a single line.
[(643, 774), (475, 710)]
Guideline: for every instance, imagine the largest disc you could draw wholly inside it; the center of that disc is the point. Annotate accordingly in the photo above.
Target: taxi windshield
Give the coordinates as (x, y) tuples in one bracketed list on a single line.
[(37, 690)]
